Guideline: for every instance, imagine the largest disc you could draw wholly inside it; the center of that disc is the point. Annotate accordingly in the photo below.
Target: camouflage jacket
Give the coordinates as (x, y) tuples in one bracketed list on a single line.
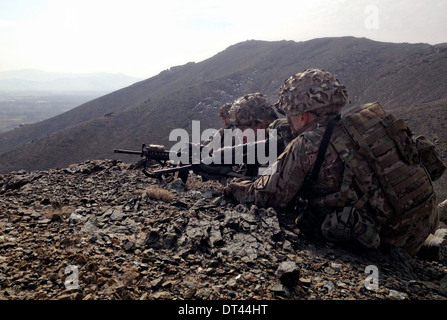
[(283, 132), (280, 191), (218, 137), (293, 165)]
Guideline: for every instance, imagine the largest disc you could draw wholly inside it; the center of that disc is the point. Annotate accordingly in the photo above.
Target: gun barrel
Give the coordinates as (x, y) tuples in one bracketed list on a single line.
[(127, 151)]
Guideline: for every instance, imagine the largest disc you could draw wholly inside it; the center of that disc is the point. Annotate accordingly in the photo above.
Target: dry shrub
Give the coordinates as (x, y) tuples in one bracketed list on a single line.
[(157, 193)]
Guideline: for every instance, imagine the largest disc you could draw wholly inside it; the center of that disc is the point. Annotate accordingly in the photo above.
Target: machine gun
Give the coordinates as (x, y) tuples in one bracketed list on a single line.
[(207, 171), (162, 156), (152, 152)]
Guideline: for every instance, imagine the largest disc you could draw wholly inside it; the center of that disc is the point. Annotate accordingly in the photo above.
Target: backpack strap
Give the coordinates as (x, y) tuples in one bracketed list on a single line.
[(307, 221), (323, 148), (312, 177)]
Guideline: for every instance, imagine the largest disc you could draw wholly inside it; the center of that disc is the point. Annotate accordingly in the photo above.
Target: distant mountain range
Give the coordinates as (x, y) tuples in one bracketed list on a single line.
[(36, 80), (400, 76)]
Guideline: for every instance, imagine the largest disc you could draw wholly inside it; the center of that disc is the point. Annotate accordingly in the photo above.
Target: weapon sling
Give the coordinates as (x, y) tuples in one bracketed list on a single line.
[(305, 220), (321, 153)]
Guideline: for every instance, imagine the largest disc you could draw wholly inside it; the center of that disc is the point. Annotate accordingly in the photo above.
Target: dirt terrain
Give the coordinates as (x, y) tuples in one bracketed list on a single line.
[(100, 230)]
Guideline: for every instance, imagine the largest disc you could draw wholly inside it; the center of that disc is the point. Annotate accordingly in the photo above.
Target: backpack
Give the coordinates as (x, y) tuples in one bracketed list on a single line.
[(384, 180)]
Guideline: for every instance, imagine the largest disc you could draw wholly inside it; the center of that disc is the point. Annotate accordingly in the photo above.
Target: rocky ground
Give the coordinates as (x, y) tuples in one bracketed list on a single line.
[(100, 230)]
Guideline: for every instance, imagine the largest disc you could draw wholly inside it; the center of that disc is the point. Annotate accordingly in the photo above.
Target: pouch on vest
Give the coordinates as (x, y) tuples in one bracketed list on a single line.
[(382, 165), (430, 158), (351, 224)]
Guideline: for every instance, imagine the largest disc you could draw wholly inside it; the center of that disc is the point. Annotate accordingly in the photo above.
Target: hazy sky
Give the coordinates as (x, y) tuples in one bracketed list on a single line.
[(143, 37)]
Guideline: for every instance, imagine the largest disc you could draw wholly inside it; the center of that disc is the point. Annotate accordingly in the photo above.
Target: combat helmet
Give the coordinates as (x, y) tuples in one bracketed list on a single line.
[(223, 110), (312, 90), (250, 109)]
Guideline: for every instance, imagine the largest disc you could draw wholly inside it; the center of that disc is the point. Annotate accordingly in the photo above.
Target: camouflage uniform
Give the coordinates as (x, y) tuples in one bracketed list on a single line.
[(255, 108), (246, 112), (223, 113), (251, 109), (283, 132), (278, 190), (292, 167), (223, 110), (319, 92)]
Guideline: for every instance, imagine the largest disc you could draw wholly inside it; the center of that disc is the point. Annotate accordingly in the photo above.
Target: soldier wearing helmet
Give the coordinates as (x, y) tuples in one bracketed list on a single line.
[(251, 114), (305, 101), (252, 111), (312, 101), (223, 113), (310, 95)]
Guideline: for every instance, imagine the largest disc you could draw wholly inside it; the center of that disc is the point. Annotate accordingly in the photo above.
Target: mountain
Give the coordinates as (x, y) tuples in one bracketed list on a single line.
[(36, 80), (399, 75)]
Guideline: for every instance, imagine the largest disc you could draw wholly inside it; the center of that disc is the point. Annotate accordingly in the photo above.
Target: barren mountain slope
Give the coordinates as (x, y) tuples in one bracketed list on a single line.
[(146, 112)]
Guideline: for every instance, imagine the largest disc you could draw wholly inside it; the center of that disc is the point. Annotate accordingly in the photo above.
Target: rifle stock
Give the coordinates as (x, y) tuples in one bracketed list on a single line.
[(159, 154)]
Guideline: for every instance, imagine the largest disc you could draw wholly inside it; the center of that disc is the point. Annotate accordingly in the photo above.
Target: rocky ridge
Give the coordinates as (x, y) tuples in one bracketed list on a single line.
[(149, 110), (132, 237)]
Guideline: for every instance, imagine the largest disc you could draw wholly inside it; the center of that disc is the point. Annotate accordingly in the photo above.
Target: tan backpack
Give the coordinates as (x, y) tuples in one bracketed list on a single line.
[(384, 176)]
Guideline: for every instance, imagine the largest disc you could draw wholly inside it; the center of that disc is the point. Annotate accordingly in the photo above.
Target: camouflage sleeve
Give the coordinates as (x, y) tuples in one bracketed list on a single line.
[(278, 189)]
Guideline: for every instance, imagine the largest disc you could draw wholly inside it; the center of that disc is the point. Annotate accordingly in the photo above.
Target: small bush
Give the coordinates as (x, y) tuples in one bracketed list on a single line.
[(157, 193)]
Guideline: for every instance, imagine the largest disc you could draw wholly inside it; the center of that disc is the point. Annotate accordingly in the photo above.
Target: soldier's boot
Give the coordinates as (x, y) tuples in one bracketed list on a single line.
[(435, 247), (442, 210)]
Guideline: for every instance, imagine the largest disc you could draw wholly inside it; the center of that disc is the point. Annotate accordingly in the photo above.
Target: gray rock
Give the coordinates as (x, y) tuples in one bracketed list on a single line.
[(117, 215), (215, 236), (397, 295), (108, 212), (176, 185), (195, 194), (158, 239), (44, 221), (75, 218), (280, 290), (208, 194), (219, 250), (288, 273), (129, 246), (329, 286), (129, 227), (90, 226)]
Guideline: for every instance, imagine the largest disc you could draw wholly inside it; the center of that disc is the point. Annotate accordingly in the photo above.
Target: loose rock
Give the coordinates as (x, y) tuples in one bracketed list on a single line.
[(96, 221)]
